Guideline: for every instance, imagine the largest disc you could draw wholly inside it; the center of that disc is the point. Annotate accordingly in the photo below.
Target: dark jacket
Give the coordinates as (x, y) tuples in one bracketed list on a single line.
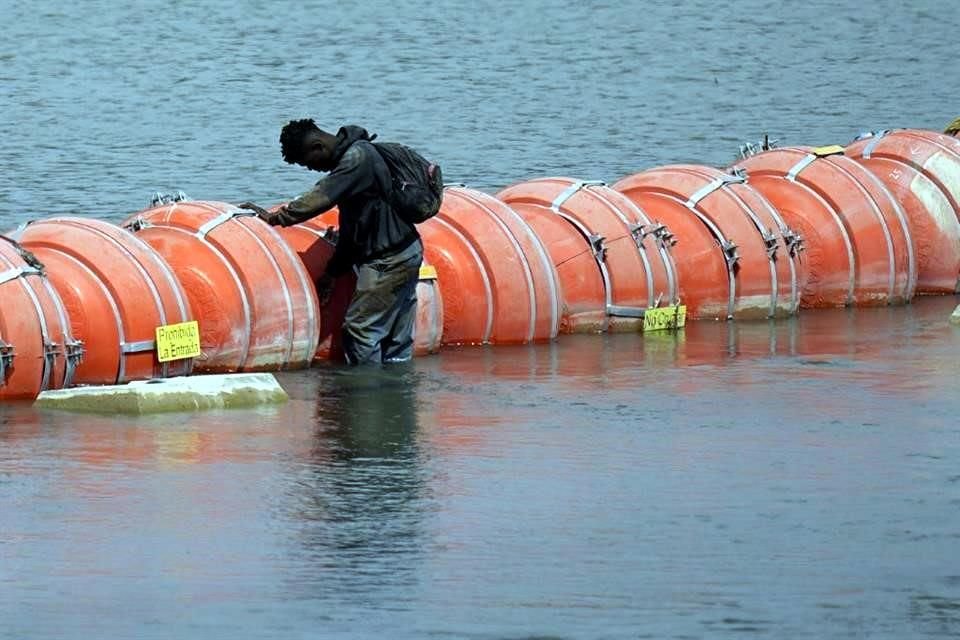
[(358, 184)]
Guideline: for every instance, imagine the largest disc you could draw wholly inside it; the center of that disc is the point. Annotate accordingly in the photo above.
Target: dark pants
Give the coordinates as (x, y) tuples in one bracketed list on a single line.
[(379, 322)]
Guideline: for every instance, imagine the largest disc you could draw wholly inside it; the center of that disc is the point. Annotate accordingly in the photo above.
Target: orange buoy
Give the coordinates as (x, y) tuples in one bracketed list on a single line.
[(37, 349), (468, 298), (249, 291), (580, 281), (923, 175), (895, 219), (312, 241), (636, 273), (496, 277), (734, 252), (858, 249), (117, 290)]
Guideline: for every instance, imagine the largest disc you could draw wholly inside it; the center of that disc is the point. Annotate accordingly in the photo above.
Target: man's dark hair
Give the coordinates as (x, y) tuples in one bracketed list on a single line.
[(291, 138)]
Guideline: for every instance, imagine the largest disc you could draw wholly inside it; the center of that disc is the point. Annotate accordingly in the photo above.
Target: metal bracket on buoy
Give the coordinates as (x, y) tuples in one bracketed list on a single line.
[(663, 235), (794, 242), (625, 312), (639, 232), (6, 359), (599, 246), (730, 252), (74, 351), (748, 149), (770, 241), (159, 198), (50, 352), (137, 224)]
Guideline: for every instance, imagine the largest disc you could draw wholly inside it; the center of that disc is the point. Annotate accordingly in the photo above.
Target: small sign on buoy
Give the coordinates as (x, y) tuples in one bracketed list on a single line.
[(178, 341), (428, 272), (665, 318), (829, 150)]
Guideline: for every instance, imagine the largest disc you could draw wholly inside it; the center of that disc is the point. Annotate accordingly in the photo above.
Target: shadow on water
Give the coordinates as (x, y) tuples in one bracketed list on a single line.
[(354, 499)]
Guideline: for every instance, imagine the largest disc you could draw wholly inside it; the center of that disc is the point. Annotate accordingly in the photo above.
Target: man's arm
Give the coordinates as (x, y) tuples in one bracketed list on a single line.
[(351, 177)]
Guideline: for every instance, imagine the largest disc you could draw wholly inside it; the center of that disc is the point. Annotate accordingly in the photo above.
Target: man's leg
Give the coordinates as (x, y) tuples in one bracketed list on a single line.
[(382, 291), (398, 344)]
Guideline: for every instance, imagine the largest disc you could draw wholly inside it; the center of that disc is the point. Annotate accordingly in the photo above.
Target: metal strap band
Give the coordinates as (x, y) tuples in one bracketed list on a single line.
[(25, 255), (18, 232), (18, 272), (730, 255), (226, 216), (625, 312), (138, 347), (709, 188), (570, 191), (874, 141), (800, 166)]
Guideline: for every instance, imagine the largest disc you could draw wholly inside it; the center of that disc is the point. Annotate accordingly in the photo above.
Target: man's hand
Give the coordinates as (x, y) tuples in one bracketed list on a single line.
[(271, 218), (325, 288)]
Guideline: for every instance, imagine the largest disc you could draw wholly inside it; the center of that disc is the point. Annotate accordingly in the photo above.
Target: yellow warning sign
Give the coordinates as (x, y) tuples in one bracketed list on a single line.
[(664, 318), (178, 341), (830, 150), (428, 272)]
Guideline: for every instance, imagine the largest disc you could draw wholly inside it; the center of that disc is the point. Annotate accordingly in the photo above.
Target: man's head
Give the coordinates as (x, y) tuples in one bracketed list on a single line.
[(303, 142)]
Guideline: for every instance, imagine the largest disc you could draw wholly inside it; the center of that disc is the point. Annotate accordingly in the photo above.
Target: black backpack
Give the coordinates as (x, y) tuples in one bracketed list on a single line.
[(417, 189)]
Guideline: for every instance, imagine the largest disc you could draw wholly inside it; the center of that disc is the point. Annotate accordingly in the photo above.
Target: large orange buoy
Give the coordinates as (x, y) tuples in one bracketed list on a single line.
[(468, 296), (734, 252), (896, 220), (634, 263), (253, 298), (117, 290), (580, 281), (313, 242), (496, 277), (922, 174), (857, 248), (37, 349)]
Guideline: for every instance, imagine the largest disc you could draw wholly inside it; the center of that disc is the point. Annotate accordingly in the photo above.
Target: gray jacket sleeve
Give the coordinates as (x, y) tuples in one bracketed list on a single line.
[(350, 177)]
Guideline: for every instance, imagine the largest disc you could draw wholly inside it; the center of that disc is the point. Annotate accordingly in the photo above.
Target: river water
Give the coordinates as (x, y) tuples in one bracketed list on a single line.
[(796, 479)]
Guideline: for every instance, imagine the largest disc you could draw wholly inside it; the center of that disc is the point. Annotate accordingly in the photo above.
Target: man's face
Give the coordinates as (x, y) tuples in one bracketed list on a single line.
[(317, 155)]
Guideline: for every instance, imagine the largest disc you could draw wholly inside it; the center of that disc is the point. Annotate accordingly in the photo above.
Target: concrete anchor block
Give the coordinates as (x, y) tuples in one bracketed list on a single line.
[(195, 393)]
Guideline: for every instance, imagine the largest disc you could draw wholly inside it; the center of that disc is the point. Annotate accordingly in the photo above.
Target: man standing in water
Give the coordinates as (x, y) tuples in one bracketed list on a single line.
[(384, 249)]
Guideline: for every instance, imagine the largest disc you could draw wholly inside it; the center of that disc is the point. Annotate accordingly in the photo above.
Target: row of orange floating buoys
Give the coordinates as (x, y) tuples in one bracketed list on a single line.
[(874, 223)]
